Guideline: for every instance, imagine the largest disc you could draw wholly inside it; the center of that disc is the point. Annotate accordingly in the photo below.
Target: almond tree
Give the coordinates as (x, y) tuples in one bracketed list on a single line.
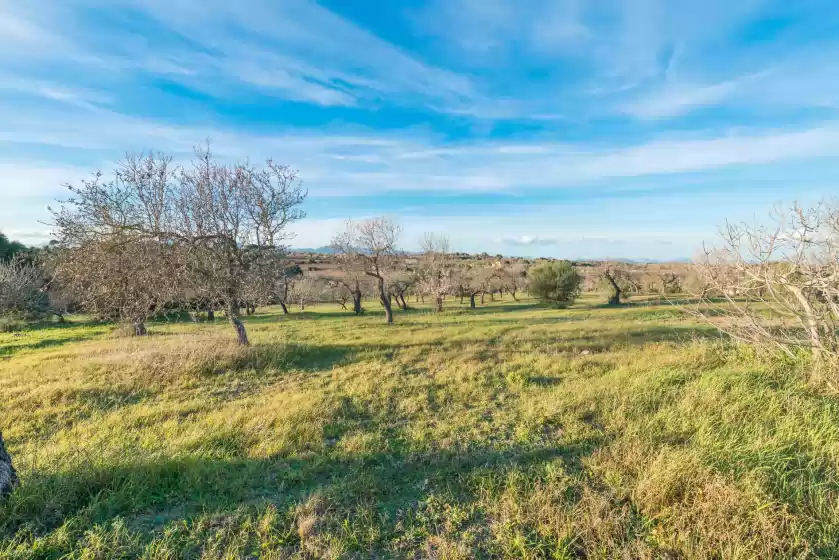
[(21, 288), (436, 276), (474, 281), (352, 281), (156, 234), (399, 286), (232, 220), (111, 254), (515, 280), (777, 286), (370, 247)]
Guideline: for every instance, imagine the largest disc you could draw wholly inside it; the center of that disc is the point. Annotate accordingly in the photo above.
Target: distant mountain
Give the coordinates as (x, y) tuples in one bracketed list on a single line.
[(326, 250)]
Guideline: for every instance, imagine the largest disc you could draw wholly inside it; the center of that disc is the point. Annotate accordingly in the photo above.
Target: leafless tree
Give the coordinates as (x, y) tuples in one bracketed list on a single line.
[(306, 290), (157, 233), (233, 220), (474, 281), (112, 255), (514, 279), (370, 246), (777, 285), (22, 288), (401, 282), (283, 283), (436, 278), (352, 281), (671, 283)]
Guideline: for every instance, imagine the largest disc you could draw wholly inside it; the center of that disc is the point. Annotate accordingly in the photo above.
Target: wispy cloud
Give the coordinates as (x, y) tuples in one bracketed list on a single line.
[(297, 50)]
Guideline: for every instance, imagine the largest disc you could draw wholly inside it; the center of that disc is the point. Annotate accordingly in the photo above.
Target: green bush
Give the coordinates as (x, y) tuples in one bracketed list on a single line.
[(557, 283)]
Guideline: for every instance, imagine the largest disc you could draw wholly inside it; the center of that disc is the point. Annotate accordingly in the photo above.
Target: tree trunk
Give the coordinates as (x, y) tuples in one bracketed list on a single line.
[(513, 293), (241, 333), (472, 301), (809, 321), (8, 475), (60, 316), (285, 309), (140, 328), (385, 298), (439, 303), (461, 299), (482, 297), (302, 305), (403, 304), (356, 303), (615, 298), (211, 315)]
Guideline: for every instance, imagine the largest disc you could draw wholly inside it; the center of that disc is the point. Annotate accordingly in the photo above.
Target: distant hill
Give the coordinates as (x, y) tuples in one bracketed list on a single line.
[(321, 250)]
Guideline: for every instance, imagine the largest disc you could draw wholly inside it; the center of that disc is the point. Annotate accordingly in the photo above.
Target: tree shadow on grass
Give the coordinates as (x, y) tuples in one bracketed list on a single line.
[(153, 494), (7, 350)]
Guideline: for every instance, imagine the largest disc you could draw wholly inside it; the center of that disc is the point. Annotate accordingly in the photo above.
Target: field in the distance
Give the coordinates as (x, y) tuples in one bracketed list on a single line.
[(511, 430)]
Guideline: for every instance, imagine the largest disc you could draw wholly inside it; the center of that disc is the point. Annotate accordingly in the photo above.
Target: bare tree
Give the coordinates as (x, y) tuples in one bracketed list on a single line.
[(436, 276), (283, 285), (778, 285), (8, 475), (22, 288), (514, 279), (671, 283), (370, 246), (157, 233), (475, 281), (352, 281), (400, 284), (233, 219), (112, 255), (305, 291)]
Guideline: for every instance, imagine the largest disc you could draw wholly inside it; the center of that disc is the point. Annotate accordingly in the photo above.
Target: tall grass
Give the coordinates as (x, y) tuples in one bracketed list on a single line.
[(508, 431)]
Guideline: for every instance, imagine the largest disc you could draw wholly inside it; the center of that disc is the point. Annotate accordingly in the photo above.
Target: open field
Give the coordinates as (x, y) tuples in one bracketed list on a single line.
[(511, 430)]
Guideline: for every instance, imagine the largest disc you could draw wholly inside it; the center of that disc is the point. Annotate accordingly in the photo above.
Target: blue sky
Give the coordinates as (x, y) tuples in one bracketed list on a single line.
[(573, 128)]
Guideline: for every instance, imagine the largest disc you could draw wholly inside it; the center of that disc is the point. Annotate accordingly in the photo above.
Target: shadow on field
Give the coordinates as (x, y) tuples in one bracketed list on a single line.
[(150, 495), (10, 350)]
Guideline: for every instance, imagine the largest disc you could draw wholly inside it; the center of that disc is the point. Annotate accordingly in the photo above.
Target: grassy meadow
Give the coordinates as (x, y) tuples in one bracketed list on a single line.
[(508, 431)]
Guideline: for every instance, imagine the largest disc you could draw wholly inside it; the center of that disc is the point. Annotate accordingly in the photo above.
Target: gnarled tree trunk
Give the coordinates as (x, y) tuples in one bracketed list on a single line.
[(439, 303), (472, 301), (211, 315), (139, 328), (8, 475), (241, 333), (356, 303), (385, 298), (615, 298), (285, 309)]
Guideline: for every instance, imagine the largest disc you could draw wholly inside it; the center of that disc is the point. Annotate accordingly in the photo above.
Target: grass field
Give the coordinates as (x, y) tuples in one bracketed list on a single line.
[(509, 431)]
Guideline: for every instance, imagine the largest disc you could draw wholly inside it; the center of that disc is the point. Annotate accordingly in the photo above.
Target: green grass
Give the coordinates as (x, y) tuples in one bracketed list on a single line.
[(507, 431)]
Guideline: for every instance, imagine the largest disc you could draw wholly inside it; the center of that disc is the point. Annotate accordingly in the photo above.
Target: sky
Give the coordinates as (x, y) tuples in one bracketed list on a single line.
[(565, 128)]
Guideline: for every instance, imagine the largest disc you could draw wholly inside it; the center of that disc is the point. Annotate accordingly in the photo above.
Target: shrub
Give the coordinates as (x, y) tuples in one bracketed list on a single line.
[(557, 283)]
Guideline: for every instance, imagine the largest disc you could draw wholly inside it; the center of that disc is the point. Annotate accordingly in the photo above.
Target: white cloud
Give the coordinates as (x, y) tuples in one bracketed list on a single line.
[(528, 240)]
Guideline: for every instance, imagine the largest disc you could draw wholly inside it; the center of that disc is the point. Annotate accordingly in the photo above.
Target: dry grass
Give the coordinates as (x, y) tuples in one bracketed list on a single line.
[(508, 431)]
